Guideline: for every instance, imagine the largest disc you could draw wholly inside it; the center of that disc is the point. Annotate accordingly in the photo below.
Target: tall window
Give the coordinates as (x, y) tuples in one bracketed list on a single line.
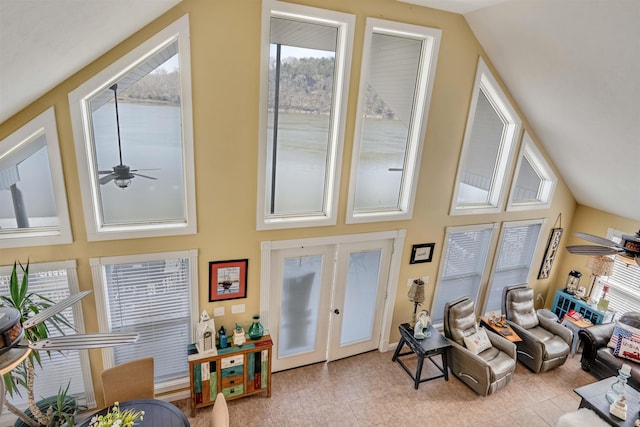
[(56, 281), (463, 267), (304, 86), (156, 296), (492, 129), (135, 155), (517, 245), (395, 91), (33, 203), (534, 180)]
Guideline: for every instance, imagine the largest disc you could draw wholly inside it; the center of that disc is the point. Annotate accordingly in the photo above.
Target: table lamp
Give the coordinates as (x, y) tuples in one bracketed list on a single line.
[(599, 266), (416, 295)]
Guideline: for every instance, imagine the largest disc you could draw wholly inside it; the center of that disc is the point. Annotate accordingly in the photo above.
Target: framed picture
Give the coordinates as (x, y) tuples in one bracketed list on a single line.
[(422, 253), (550, 254), (228, 279)]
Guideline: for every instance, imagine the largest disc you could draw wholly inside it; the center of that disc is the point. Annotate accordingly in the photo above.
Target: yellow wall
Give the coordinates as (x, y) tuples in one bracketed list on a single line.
[(592, 221), (225, 48)]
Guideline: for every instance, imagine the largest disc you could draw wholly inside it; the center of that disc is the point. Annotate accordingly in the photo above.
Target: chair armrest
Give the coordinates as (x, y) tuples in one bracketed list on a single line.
[(556, 328), (502, 344), (593, 338)]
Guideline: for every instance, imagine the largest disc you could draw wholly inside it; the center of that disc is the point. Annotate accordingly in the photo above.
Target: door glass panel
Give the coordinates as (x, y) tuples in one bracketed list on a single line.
[(360, 296), (302, 278)]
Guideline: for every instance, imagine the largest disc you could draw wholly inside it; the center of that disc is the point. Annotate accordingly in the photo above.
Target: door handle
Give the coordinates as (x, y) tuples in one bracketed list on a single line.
[(336, 311)]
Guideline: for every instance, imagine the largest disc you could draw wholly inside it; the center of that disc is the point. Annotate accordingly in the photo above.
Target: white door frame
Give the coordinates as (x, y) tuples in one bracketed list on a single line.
[(398, 237)]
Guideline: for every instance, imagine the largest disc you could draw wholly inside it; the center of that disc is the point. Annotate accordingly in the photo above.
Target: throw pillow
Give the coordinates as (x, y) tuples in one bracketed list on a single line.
[(629, 349), (477, 342), (625, 331)]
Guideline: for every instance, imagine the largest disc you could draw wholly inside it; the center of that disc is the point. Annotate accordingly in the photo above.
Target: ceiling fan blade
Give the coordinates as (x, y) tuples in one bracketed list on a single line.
[(107, 178), (54, 309), (136, 170), (592, 250), (103, 172), (144, 176), (84, 341), (596, 239)]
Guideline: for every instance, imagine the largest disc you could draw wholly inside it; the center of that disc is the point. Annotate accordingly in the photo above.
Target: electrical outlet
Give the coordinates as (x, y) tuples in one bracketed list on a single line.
[(218, 311), (425, 279)]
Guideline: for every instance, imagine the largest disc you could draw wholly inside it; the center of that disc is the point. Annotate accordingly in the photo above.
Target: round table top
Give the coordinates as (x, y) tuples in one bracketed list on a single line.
[(157, 413)]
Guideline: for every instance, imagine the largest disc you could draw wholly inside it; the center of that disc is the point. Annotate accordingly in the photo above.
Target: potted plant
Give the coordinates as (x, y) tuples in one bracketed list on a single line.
[(22, 377)]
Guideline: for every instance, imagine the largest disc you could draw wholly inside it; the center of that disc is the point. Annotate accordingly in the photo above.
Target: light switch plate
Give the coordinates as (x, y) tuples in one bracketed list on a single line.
[(218, 311), (238, 308)]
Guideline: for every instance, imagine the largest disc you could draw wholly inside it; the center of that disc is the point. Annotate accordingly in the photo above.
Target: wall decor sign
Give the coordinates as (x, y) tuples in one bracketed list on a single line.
[(422, 253), (228, 279), (550, 253)]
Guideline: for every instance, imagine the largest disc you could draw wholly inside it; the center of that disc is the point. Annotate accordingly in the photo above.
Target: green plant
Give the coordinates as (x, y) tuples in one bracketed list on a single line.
[(28, 304), (61, 410), (117, 418)]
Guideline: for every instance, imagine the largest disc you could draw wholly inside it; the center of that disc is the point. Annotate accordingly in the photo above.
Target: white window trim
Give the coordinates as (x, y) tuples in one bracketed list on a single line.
[(530, 151), (532, 271), (429, 54), (489, 85), (101, 301), (78, 103), (44, 123), (485, 270), (345, 24)]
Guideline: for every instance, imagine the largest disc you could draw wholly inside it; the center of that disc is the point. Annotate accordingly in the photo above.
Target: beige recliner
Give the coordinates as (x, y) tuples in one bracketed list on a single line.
[(545, 343), (485, 372)]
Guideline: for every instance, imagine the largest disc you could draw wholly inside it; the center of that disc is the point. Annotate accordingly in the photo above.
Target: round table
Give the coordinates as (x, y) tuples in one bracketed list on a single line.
[(157, 413)]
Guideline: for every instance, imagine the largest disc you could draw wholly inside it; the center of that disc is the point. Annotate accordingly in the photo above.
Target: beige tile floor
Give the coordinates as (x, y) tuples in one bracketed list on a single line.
[(371, 390)]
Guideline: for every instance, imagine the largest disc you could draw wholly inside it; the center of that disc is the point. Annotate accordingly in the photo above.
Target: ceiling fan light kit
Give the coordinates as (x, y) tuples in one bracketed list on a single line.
[(121, 174)]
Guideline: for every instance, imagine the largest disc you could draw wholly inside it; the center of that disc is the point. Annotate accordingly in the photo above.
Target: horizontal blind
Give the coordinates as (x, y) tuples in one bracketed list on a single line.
[(515, 253), (464, 263), (624, 288), (152, 298), (51, 280)]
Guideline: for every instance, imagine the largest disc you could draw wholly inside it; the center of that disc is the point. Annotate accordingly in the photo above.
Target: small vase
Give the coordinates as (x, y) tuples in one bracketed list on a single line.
[(256, 330)]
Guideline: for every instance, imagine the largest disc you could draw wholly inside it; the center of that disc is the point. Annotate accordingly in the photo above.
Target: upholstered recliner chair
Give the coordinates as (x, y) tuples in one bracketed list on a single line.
[(487, 371), (545, 343)]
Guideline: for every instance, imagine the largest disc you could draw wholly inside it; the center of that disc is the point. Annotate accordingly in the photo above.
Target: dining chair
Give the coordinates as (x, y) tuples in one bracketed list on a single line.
[(220, 412), (127, 381)]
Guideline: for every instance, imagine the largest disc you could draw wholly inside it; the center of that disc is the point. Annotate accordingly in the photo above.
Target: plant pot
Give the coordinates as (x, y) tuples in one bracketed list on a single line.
[(44, 404)]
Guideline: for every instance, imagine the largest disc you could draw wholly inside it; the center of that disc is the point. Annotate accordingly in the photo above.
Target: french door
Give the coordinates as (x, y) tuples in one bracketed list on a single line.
[(326, 301)]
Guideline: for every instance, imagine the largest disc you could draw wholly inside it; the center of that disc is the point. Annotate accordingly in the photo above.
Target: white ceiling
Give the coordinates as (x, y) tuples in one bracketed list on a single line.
[(572, 66)]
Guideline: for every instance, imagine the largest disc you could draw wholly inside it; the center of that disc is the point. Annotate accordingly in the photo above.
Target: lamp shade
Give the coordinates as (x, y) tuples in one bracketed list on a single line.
[(600, 265), (416, 292)]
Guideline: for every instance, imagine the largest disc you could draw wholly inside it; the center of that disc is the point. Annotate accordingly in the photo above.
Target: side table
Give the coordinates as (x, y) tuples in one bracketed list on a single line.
[(512, 336), (575, 326), (593, 396), (435, 345)]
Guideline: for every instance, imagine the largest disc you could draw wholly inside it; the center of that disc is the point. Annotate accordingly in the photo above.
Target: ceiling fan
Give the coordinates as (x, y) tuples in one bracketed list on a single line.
[(121, 174), (628, 248)]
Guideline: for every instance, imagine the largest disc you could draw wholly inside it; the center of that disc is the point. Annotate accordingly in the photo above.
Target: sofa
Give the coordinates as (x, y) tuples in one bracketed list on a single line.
[(599, 359)]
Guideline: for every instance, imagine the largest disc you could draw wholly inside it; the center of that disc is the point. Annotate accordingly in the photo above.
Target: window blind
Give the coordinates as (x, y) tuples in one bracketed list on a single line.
[(624, 288), (151, 297), (56, 281), (515, 253), (464, 265)]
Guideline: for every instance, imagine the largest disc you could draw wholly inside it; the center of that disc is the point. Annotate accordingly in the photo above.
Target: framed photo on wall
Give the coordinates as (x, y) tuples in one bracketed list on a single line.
[(422, 253), (228, 279)]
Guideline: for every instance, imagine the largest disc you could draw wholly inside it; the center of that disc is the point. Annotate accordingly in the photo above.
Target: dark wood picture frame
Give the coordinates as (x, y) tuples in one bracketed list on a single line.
[(422, 253), (550, 254), (228, 279)]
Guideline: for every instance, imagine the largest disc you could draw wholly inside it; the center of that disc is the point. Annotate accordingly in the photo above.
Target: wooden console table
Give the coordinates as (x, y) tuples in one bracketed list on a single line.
[(513, 337), (236, 371)]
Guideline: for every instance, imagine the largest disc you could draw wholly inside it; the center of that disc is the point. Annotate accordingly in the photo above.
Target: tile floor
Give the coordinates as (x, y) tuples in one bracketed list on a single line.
[(371, 390)]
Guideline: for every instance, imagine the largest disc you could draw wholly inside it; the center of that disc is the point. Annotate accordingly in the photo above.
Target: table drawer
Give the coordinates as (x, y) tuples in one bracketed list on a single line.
[(233, 391), (232, 381), (232, 361), (232, 371)]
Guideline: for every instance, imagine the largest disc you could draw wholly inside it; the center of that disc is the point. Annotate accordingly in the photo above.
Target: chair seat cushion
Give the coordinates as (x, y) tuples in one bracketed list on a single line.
[(554, 346), (501, 363)]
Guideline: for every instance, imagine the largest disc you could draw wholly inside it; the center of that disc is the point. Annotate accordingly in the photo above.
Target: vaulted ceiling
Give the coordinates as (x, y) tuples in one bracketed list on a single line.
[(572, 66)]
